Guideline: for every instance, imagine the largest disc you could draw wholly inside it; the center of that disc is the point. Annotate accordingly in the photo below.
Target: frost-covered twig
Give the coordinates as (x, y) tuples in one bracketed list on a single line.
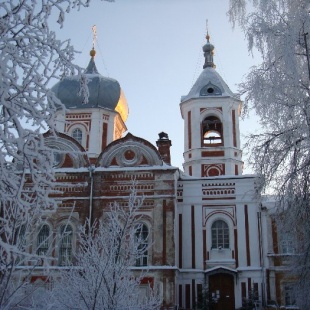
[(31, 57)]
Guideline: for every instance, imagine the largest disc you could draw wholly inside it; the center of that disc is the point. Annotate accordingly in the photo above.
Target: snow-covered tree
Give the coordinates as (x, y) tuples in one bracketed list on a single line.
[(102, 276), (30, 57), (278, 90)]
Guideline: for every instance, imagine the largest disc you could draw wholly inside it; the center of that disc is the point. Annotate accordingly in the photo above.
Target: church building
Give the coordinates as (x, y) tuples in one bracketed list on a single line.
[(208, 230)]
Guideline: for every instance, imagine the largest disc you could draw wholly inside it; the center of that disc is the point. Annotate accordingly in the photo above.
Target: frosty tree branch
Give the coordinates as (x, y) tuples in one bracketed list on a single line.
[(102, 277), (278, 90), (31, 56)]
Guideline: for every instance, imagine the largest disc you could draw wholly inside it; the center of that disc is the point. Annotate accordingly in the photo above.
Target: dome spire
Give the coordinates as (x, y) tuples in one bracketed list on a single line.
[(208, 52), (91, 68), (93, 51)]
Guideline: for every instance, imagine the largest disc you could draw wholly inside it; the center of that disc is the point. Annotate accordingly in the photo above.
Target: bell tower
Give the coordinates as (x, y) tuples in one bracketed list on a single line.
[(211, 124)]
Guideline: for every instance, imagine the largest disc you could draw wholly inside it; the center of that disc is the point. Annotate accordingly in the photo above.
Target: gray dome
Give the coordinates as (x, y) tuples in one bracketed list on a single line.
[(208, 47), (103, 92), (209, 83)]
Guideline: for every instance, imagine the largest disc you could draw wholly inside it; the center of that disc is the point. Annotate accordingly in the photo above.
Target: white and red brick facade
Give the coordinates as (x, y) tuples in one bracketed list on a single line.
[(207, 225)]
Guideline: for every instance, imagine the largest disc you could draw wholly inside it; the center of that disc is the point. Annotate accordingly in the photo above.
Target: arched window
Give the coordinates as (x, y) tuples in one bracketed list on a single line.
[(21, 244), (212, 131), (220, 235), (142, 236), (65, 247), (43, 240), (21, 237), (77, 134)]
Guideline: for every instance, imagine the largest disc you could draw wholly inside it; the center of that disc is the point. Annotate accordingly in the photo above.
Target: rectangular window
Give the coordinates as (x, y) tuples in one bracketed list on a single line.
[(65, 249), (289, 295), (287, 243)]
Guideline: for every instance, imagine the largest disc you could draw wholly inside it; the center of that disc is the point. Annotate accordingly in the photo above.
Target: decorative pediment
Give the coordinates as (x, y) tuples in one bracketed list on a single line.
[(129, 151), (210, 90), (221, 269), (67, 152)]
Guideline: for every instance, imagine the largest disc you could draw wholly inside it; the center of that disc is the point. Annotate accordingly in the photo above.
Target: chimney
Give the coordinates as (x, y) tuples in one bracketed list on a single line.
[(163, 145)]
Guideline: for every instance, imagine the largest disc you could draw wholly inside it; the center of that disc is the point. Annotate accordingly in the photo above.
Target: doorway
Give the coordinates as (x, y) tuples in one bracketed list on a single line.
[(221, 288)]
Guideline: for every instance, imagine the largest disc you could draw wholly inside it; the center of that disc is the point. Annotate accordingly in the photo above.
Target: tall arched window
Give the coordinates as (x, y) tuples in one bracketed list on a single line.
[(220, 235), (21, 244), (43, 240), (21, 237), (65, 247), (212, 131), (142, 236), (77, 134)]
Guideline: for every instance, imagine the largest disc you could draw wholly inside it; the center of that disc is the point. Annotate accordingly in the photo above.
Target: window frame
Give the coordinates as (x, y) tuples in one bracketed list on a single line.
[(143, 246), (43, 242), (218, 233), (288, 294), (80, 139), (84, 131), (287, 244), (63, 259)]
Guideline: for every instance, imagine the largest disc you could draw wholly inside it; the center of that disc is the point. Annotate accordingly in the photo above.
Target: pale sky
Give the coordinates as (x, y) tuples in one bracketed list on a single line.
[(154, 49)]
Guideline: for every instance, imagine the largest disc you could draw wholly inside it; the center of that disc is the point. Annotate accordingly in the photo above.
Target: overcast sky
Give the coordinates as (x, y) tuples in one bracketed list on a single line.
[(154, 49)]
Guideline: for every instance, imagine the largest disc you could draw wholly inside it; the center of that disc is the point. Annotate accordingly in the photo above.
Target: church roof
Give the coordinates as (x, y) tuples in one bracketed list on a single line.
[(209, 83), (104, 92)]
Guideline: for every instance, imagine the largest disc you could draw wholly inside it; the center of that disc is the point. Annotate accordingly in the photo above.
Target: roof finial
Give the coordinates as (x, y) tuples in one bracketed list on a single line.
[(207, 35), (208, 51), (91, 68), (93, 51)]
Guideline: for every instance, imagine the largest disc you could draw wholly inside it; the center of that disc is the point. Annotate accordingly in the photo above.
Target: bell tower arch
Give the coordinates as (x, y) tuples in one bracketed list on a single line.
[(211, 124), (211, 131)]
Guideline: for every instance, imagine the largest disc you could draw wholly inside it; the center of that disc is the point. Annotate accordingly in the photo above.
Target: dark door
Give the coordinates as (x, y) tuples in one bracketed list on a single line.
[(221, 288)]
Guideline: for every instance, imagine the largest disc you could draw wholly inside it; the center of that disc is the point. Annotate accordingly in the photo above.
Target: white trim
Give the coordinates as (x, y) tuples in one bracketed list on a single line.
[(83, 130)]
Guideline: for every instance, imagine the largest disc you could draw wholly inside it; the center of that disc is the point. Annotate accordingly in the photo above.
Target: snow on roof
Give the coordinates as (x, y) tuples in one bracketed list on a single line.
[(186, 177), (209, 76), (115, 168)]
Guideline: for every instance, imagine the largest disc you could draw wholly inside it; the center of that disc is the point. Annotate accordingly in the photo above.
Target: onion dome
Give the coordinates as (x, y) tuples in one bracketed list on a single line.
[(209, 83), (104, 92), (208, 52)]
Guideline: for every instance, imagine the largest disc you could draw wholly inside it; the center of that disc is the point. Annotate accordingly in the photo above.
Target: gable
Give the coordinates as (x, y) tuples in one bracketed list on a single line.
[(67, 152), (130, 151)]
